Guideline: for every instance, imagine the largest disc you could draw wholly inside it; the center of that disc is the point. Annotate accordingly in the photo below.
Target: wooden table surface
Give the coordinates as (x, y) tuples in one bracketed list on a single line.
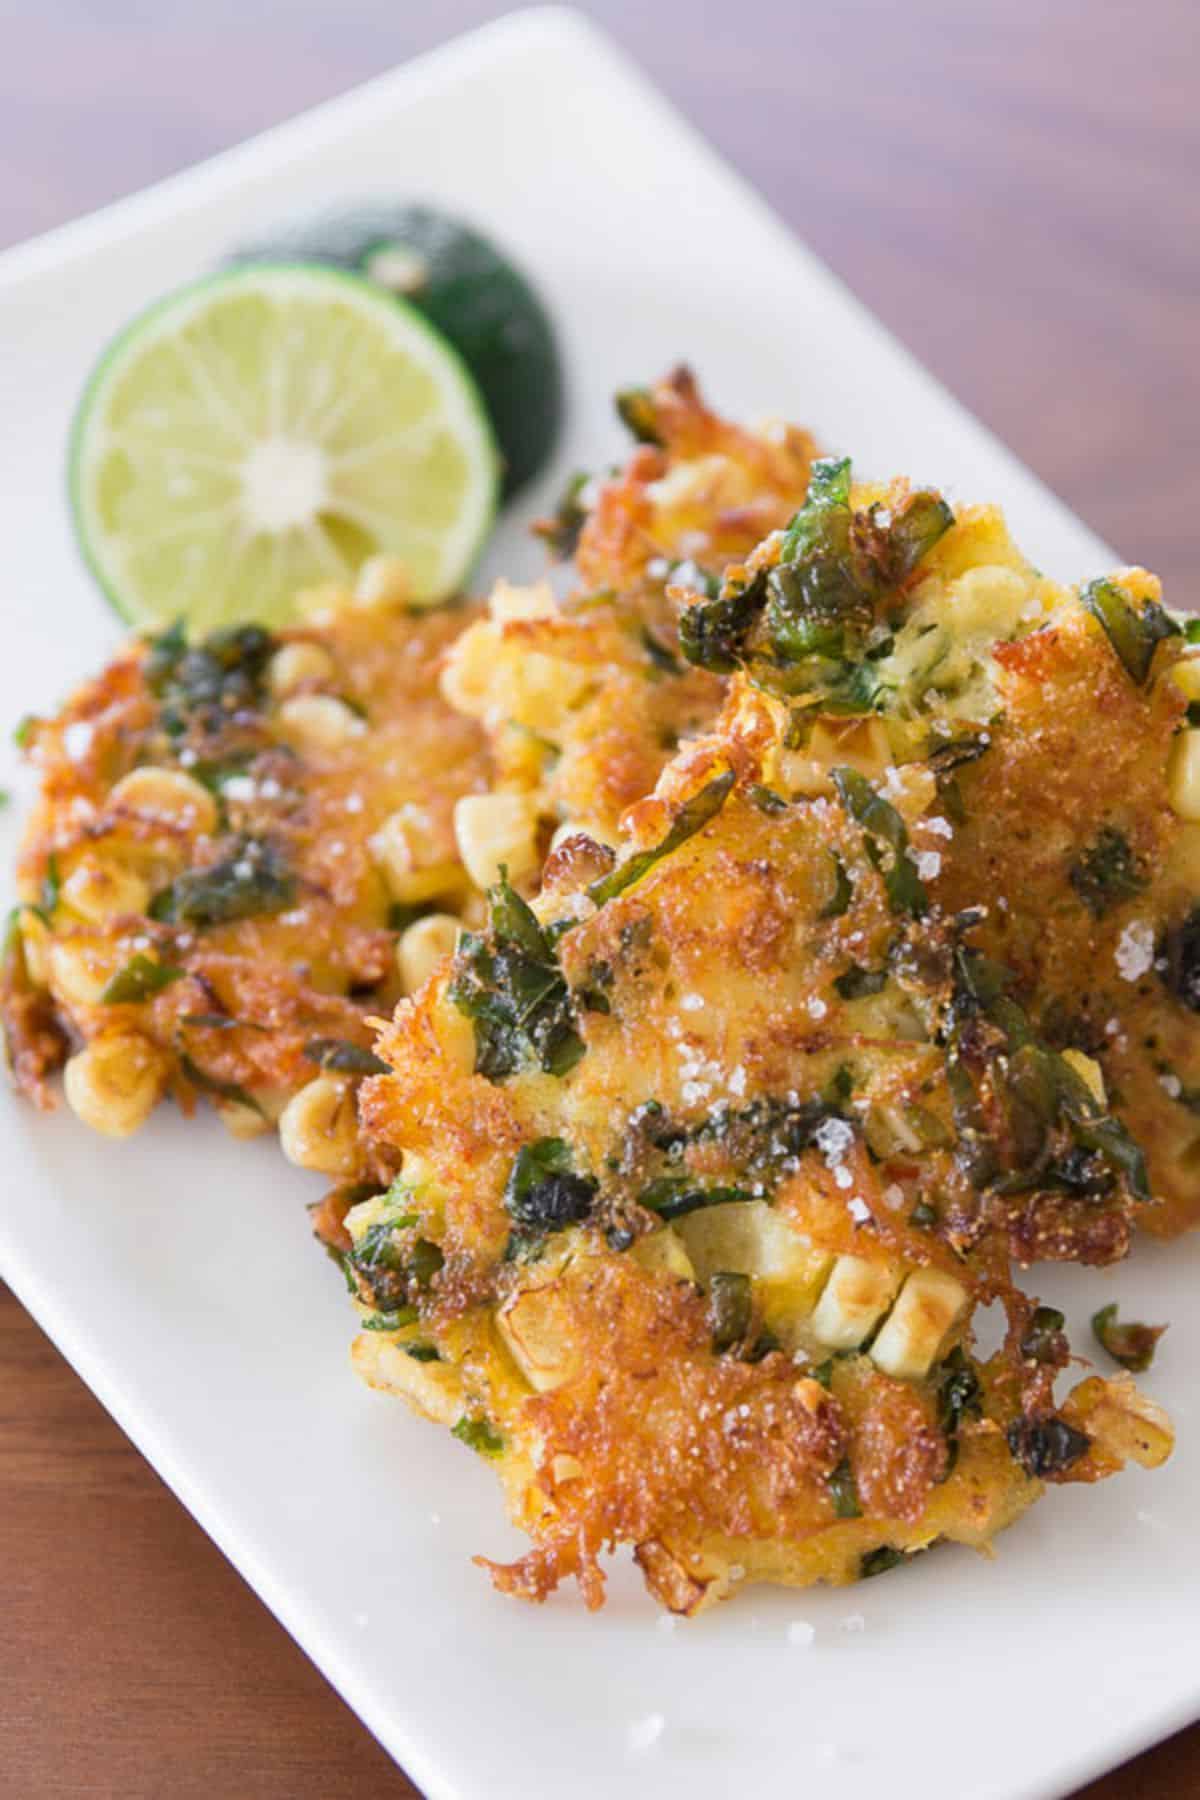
[(1012, 185)]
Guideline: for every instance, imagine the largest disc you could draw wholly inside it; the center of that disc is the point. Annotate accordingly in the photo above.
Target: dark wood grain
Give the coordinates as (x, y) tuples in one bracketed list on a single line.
[(1012, 186)]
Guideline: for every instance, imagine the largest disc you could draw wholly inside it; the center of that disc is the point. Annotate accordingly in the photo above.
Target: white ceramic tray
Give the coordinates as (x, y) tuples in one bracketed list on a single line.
[(176, 1272)]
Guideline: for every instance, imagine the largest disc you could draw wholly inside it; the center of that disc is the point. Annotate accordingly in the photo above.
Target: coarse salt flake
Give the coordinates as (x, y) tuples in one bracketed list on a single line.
[(77, 739), (1134, 954), (929, 864), (842, 1176), (816, 1007), (858, 1209), (893, 1196), (833, 1138)]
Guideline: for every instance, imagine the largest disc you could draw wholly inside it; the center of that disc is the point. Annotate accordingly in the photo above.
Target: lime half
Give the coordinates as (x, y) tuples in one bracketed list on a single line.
[(268, 430)]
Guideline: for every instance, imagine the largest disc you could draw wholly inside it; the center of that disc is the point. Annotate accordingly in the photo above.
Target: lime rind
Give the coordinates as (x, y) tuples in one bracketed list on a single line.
[(446, 548)]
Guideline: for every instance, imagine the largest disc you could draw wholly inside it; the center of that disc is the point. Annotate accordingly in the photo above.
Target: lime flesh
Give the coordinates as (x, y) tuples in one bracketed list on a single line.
[(467, 289), (267, 431)]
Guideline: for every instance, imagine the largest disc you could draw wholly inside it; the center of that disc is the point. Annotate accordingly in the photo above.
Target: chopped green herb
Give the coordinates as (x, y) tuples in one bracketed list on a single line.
[(422, 1353), (808, 624), (843, 889), (1132, 1345), (1179, 956), (478, 1435), (923, 1216), (1133, 634), (730, 1309), (1107, 873), (843, 1491), (766, 799), (1043, 1340), (673, 1196), (543, 1192), (1046, 1446), (344, 1058), (959, 1397), (713, 631), (1045, 1095), (856, 982), (692, 816), (210, 681), (138, 980), (510, 986), (561, 531), (636, 411), (878, 1562), (51, 886), (886, 838), (219, 1022), (1191, 630), (391, 1321), (24, 729), (250, 879), (221, 1090)]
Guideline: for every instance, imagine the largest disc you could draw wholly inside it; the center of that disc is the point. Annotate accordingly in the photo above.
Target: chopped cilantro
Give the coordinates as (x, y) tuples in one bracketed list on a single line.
[(1132, 1345), (139, 980)]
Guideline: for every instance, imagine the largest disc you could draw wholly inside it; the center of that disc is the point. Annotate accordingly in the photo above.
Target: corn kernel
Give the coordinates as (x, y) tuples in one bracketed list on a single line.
[(433, 1389), (930, 1303), (167, 795), (99, 889), (856, 1295), (78, 971), (423, 946), (114, 1084), (412, 858), (383, 581), (536, 1327), (466, 677), (494, 830), (320, 721), (507, 602), (318, 1128), (297, 665), (1183, 776)]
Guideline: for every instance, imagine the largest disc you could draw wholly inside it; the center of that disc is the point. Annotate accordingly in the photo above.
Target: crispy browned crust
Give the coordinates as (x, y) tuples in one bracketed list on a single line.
[(278, 980), (1080, 749), (703, 1462)]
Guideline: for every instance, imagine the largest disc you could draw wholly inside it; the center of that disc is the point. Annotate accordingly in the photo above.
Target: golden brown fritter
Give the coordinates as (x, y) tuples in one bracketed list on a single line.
[(230, 840), (585, 701), (1072, 839), (690, 1226)]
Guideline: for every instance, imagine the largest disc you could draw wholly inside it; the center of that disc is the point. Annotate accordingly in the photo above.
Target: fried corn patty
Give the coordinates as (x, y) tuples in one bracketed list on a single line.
[(585, 701), (242, 848), (1061, 729), (710, 1156)]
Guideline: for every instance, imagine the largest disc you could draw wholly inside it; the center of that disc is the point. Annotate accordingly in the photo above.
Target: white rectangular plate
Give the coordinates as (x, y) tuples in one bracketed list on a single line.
[(176, 1272)]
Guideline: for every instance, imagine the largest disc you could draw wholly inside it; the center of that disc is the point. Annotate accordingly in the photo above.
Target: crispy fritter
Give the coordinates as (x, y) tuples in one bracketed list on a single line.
[(230, 840), (1071, 836), (709, 1157), (586, 701)]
